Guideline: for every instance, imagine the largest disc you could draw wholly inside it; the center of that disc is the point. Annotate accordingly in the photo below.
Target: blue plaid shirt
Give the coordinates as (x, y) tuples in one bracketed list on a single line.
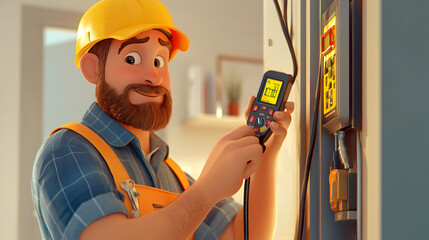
[(72, 185)]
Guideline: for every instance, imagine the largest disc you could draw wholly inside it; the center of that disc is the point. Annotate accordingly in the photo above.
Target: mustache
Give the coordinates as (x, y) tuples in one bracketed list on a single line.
[(143, 88)]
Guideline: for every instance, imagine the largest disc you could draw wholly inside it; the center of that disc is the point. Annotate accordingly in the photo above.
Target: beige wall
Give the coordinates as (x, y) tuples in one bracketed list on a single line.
[(10, 119), (371, 120)]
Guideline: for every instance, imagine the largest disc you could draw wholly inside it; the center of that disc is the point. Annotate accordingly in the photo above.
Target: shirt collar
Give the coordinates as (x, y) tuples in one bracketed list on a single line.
[(106, 127), (115, 134), (158, 147)]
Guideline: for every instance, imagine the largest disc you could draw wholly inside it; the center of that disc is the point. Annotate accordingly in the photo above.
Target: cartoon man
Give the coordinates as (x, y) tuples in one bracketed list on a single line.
[(110, 176)]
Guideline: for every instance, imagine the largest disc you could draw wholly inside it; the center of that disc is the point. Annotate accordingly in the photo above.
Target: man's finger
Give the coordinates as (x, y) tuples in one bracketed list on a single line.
[(278, 129), (283, 118), (239, 132), (289, 107), (276, 140), (243, 142)]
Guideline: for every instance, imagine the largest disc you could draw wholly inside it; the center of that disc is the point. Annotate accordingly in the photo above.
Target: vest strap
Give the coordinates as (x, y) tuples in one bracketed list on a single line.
[(178, 172), (115, 166)]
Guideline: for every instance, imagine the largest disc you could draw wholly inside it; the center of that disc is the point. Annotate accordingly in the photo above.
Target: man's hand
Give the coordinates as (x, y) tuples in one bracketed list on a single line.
[(235, 157), (279, 127)]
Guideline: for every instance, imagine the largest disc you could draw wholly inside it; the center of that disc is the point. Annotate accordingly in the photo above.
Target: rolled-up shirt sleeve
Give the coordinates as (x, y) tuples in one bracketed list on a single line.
[(72, 186)]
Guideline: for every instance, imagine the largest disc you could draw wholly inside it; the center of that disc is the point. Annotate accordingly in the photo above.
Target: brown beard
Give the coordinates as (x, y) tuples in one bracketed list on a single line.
[(147, 116)]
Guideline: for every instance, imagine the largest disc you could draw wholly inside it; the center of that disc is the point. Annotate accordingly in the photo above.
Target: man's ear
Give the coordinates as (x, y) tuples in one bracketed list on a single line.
[(89, 67)]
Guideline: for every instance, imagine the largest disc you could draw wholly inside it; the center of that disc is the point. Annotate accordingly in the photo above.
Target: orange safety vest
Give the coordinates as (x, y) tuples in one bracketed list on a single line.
[(152, 198)]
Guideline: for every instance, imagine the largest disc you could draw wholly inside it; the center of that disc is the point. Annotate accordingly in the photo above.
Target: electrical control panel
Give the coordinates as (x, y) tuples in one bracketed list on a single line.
[(339, 102), (334, 44), (329, 68)]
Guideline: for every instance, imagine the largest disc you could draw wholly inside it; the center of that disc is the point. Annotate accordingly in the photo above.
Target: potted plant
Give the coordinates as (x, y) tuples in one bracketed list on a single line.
[(233, 86)]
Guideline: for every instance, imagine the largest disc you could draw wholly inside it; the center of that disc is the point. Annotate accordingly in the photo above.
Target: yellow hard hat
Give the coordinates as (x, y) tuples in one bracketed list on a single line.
[(123, 19)]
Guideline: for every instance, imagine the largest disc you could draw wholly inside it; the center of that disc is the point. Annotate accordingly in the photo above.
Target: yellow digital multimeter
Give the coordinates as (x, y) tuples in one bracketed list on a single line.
[(272, 96)]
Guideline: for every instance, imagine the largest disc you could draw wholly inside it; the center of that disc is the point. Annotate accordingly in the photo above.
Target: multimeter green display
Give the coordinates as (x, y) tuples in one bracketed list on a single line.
[(271, 91), (272, 96)]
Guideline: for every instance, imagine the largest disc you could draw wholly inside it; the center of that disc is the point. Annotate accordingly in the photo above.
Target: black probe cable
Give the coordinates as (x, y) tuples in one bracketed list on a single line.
[(285, 28), (295, 72), (309, 157), (246, 208)]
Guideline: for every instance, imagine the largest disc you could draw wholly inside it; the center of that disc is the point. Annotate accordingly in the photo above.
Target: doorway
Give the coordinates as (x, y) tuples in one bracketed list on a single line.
[(66, 94), (34, 22)]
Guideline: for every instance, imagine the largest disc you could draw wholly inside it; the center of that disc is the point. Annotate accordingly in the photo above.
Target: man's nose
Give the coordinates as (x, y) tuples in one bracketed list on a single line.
[(152, 77)]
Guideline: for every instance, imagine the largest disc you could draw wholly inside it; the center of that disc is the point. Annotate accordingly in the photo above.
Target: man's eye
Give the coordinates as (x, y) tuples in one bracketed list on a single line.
[(133, 58), (159, 62)]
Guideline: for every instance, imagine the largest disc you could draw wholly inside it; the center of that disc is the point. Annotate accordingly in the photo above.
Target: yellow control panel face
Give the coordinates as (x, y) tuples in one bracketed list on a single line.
[(329, 70), (271, 91)]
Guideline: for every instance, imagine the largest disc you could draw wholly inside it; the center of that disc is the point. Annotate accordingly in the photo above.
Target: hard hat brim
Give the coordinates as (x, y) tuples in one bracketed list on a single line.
[(179, 40)]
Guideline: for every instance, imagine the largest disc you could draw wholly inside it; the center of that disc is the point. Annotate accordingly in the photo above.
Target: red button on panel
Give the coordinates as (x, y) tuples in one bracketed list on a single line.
[(268, 122), (255, 108), (264, 107), (252, 118), (256, 129), (271, 112)]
